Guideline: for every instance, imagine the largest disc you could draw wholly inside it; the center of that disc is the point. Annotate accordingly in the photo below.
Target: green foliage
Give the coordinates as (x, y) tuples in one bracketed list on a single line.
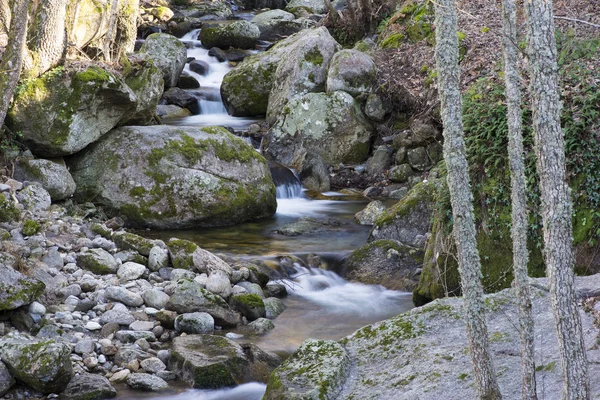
[(30, 227)]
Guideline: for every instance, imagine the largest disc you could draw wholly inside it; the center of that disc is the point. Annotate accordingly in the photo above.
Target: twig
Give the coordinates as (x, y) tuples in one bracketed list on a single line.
[(577, 20)]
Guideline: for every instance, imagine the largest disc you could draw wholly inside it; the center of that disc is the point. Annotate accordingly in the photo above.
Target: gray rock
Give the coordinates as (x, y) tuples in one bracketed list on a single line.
[(53, 259), (99, 261), (133, 336), (418, 158), (252, 288), (130, 271), (131, 241), (238, 34), (168, 54), (273, 307), (122, 295), (276, 24), (374, 108), (275, 290), (60, 114), (86, 386), (6, 379), (329, 124), (153, 365), (169, 111), (182, 98), (208, 361), (261, 325), (16, 289), (370, 213), (84, 346), (146, 81), (178, 274), (34, 197), (198, 322), (351, 71), (302, 68), (155, 298), (121, 317), (250, 306), (158, 258), (218, 283), (43, 365), (51, 174), (141, 326), (208, 175), (401, 173), (147, 382), (312, 6), (380, 161), (312, 170)]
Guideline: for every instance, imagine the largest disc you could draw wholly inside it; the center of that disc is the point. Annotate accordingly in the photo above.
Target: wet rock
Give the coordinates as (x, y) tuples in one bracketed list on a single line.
[(86, 386), (182, 98), (275, 290), (153, 365), (200, 67), (147, 382), (309, 225), (199, 322), (370, 213), (311, 170), (273, 307), (187, 82), (261, 325)]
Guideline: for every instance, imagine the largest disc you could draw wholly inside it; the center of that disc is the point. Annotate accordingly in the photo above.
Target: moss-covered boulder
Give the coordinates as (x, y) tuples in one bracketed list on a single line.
[(328, 124), (190, 296), (188, 255), (317, 370), (175, 177), (210, 362), (53, 175), (198, 8), (168, 54), (311, 6), (8, 209), (146, 80), (302, 69), (250, 306), (16, 289), (275, 24), (385, 262), (131, 241), (238, 34), (99, 261), (351, 71), (62, 112), (44, 365), (86, 386)]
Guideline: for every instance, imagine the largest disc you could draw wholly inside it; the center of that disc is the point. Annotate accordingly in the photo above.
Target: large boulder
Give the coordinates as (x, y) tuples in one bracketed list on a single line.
[(312, 6), (62, 112), (328, 124), (351, 71), (196, 9), (275, 24), (6, 379), (316, 370), (87, 20), (238, 34), (44, 365), (175, 177), (85, 386), (387, 263), (16, 289), (168, 54), (208, 361), (302, 69), (53, 175), (190, 297), (146, 80)]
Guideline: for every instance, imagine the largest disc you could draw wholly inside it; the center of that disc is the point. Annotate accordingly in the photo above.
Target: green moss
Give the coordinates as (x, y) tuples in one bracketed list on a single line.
[(393, 41), (423, 192), (92, 74), (30, 227), (463, 376), (8, 211), (250, 300), (314, 56), (551, 366), (137, 191)]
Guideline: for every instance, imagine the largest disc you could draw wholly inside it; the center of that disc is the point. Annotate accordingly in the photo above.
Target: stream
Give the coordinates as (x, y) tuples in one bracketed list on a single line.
[(320, 303)]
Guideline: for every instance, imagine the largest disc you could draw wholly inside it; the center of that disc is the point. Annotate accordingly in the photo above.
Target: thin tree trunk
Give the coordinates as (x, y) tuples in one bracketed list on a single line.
[(47, 38), (126, 28), (111, 33), (12, 58), (519, 202), (556, 199), (462, 199)]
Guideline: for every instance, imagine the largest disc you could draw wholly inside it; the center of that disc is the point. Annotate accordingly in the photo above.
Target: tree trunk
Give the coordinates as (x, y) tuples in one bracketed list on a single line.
[(111, 33), (4, 16), (556, 199), (47, 38), (519, 202), (126, 27), (12, 58), (462, 198)]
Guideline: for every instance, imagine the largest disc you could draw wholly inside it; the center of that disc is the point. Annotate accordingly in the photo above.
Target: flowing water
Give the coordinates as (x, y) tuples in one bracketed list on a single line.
[(320, 304)]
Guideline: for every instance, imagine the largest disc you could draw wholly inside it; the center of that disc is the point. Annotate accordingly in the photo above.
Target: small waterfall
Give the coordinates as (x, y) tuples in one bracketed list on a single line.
[(287, 183)]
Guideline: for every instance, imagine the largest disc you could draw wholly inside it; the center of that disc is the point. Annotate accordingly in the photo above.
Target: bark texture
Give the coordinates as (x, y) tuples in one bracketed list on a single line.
[(462, 198), (4, 16), (518, 198), (122, 29), (12, 59), (556, 199), (47, 38)]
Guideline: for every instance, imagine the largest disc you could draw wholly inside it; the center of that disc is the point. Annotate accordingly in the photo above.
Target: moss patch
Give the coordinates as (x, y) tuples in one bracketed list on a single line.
[(31, 227)]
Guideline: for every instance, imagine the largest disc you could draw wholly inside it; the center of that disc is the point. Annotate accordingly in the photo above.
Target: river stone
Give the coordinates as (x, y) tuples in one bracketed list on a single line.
[(126, 336), (220, 9), (273, 307), (34, 197), (329, 124), (380, 161), (401, 173), (59, 114), (130, 271), (374, 108), (16, 289), (145, 79), (418, 158), (252, 288), (147, 382), (261, 325), (122, 295), (158, 258), (218, 283), (182, 98), (175, 177), (275, 290), (312, 170), (155, 298), (117, 316), (190, 296), (188, 255), (168, 54), (210, 362), (42, 365), (370, 213), (351, 71), (99, 261), (6, 379), (250, 305), (409, 220), (153, 365), (51, 174), (312, 6), (238, 34), (85, 386), (131, 241), (167, 111), (198, 322), (325, 367), (385, 262), (302, 69), (275, 24)]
